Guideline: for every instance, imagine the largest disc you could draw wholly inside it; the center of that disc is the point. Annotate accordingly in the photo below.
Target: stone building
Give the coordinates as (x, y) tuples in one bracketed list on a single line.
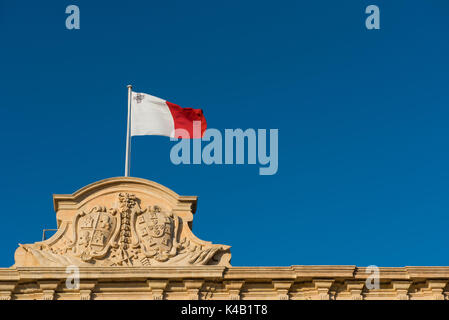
[(130, 238)]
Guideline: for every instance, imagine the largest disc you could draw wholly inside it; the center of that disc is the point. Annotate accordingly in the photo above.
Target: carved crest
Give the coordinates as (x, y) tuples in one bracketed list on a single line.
[(156, 231), (93, 232)]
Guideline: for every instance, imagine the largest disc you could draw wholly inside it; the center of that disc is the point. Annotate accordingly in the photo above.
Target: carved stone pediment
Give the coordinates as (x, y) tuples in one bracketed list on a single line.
[(123, 222)]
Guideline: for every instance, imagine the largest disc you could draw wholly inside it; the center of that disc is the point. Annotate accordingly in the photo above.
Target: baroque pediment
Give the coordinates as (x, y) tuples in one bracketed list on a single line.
[(123, 222)]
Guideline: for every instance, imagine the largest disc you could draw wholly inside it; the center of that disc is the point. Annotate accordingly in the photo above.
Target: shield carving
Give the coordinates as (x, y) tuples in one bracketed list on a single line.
[(155, 230), (93, 232)]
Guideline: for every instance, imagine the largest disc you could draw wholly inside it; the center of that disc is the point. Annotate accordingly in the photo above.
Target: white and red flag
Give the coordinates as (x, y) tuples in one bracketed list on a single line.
[(149, 115), (154, 116)]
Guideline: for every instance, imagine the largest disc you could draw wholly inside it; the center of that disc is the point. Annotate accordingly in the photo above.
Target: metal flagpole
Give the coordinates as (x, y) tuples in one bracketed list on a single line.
[(128, 133)]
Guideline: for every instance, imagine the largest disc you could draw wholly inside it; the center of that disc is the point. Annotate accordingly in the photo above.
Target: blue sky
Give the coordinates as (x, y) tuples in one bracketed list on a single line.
[(362, 116)]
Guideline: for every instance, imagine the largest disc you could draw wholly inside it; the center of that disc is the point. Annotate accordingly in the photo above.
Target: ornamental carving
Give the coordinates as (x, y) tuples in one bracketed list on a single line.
[(123, 234)]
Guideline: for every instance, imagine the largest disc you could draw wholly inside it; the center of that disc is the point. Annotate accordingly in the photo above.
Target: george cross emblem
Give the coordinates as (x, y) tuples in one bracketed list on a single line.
[(139, 97)]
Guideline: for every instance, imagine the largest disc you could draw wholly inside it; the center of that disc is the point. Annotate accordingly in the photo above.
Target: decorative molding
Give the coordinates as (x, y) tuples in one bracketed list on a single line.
[(193, 288), (282, 287), (233, 289), (402, 287), (435, 288), (86, 289), (355, 289), (6, 289), (322, 287), (48, 288), (157, 288)]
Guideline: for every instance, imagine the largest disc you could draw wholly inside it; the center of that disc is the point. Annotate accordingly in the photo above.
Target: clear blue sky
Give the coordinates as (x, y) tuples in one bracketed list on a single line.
[(363, 119)]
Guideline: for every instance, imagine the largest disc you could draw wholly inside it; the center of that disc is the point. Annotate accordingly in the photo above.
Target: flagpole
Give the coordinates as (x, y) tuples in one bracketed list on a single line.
[(128, 134)]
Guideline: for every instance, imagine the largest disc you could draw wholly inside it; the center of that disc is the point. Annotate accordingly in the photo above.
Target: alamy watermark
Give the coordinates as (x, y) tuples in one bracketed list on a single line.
[(373, 20), (73, 278), (224, 150), (73, 20), (372, 281)]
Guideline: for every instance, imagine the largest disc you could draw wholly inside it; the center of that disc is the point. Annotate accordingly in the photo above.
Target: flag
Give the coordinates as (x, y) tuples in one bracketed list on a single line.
[(154, 116)]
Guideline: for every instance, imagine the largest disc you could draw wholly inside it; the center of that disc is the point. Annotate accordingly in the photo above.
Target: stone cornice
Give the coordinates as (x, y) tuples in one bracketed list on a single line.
[(219, 282), (295, 272)]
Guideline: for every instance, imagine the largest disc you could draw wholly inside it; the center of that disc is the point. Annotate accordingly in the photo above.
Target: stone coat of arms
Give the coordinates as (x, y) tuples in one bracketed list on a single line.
[(123, 234)]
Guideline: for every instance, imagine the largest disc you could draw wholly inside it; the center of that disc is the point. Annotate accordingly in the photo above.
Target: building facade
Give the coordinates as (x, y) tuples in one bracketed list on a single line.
[(130, 238)]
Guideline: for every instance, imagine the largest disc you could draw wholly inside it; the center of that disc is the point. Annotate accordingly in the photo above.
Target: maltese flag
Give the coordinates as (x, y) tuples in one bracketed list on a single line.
[(154, 116)]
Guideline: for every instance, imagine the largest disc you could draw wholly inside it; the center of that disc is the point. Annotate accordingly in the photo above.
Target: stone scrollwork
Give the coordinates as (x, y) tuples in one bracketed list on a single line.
[(125, 235)]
